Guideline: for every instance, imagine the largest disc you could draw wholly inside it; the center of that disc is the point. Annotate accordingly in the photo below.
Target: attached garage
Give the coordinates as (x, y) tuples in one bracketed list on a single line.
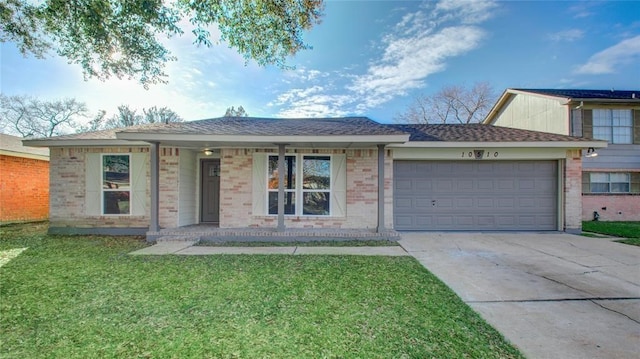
[(475, 195)]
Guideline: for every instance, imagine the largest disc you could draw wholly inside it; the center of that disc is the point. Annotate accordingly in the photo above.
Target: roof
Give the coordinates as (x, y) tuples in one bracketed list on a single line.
[(479, 133), (258, 126), (12, 146), (312, 133), (587, 94), (239, 131)]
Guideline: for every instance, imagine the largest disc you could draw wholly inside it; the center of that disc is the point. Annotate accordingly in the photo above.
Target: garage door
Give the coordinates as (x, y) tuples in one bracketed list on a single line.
[(475, 195)]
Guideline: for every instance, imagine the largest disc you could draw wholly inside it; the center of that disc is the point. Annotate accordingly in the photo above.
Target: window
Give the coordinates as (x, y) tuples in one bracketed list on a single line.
[(316, 185), (307, 187), (615, 126), (609, 182), (116, 184), (289, 185)]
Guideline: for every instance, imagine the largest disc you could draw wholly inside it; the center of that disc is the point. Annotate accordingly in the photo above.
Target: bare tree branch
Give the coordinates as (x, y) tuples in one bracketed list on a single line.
[(452, 104), (31, 117)]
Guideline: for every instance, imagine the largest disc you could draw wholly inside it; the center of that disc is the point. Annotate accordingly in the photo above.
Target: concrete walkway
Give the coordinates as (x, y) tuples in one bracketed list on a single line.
[(552, 295), (188, 248)]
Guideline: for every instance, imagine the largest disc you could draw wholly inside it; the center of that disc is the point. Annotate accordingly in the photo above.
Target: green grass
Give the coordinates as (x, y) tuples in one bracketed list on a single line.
[(628, 230), (84, 297)]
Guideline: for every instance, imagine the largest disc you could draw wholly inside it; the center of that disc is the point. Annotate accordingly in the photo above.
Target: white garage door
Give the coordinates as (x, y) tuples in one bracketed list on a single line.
[(475, 195)]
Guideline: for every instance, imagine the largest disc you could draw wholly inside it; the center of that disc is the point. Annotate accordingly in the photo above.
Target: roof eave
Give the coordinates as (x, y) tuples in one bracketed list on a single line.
[(513, 144), (578, 100), (252, 139), (81, 143)]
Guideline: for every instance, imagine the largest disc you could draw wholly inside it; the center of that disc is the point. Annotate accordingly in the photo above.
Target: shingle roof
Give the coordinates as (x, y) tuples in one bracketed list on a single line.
[(350, 126), (478, 133), (14, 144), (588, 94), (256, 126)]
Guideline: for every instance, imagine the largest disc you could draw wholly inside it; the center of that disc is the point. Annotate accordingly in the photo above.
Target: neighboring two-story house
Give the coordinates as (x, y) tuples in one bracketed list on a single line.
[(611, 176)]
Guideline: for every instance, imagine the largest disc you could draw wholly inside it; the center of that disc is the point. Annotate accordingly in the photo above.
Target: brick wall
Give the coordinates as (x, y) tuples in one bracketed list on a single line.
[(573, 191), (236, 196), (24, 189), (611, 207), (169, 187), (68, 193)]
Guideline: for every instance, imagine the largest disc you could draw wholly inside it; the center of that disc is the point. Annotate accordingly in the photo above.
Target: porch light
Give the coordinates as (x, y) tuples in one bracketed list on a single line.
[(591, 152), (208, 152)]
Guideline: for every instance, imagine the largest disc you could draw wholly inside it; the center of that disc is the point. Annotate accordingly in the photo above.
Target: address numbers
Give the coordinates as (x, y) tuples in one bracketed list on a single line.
[(479, 154)]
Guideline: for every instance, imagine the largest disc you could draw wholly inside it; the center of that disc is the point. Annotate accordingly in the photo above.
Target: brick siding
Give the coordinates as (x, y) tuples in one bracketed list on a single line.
[(236, 197), (68, 193), (611, 207), (24, 189), (573, 191)]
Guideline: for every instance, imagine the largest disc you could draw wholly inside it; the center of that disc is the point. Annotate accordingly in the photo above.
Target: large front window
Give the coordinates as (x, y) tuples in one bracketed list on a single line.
[(614, 126), (609, 182), (307, 187), (116, 184)]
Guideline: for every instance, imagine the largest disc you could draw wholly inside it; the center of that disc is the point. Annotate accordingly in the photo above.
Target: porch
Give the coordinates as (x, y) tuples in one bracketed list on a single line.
[(212, 233)]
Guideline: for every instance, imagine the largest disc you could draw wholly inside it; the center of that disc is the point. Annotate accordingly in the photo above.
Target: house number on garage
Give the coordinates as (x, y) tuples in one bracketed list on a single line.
[(479, 154)]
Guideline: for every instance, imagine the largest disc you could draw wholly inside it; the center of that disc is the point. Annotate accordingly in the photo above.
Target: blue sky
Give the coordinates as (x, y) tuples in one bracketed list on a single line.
[(372, 58)]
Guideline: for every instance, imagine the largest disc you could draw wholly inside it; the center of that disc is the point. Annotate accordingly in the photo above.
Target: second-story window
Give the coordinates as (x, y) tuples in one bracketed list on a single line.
[(615, 126)]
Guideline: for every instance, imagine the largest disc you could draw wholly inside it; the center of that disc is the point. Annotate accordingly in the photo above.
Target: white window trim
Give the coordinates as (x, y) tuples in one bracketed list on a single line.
[(298, 190), (611, 126), (610, 182), (103, 190)]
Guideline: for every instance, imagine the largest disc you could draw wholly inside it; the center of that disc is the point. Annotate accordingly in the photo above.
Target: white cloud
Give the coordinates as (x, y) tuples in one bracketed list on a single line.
[(468, 12), (607, 61), (419, 46), (567, 35)]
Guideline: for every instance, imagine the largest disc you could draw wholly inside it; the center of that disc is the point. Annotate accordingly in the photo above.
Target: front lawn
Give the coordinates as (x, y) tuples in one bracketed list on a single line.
[(628, 230), (84, 297)]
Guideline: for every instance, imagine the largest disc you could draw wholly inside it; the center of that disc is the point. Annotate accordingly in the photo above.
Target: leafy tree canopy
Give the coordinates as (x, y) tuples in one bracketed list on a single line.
[(121, 37)]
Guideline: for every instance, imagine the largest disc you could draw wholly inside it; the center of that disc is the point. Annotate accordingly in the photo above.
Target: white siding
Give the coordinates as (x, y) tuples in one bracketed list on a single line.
[(187, 184), (259, 184), (534, 113)]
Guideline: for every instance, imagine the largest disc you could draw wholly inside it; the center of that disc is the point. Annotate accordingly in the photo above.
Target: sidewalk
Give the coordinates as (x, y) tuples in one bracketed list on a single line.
[(188, 248)]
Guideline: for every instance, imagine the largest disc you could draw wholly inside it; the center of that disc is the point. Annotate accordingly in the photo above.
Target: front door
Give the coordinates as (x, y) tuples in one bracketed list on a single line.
[(210, 197)]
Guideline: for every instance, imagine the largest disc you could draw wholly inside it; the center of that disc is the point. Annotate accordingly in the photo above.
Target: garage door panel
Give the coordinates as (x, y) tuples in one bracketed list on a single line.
[(463, 202), (468, 195), (422, 203), (403, 203), (464, 220), (464, 184), (400, 184), (423, 185), (424, 221)]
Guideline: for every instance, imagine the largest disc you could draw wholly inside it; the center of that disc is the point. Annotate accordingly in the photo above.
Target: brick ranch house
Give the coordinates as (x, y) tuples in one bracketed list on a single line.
[(314, 174), (24, 181)]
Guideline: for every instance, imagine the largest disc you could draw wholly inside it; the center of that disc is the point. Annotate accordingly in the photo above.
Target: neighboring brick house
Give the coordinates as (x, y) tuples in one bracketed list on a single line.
[(308, 174), (24, 181), (610, 180)]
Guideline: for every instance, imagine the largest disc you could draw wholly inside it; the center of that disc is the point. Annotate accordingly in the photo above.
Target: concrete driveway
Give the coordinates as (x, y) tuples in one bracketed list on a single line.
[(553, 295)]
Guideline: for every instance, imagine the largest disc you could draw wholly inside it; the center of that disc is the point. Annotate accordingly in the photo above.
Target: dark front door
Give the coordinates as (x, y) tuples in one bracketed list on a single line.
[(210, 191)]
